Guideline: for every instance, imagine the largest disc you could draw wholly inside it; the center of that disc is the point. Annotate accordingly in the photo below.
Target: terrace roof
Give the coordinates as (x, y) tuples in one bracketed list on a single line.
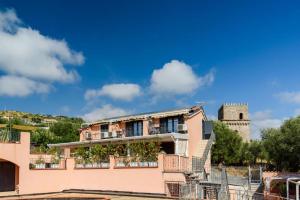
[(167, 137), (166, 113)]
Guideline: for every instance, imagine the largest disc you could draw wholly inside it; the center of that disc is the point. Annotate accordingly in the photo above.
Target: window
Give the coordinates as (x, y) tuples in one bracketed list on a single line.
[(169, 124), (134, 128), (104, 128), (241, 116)]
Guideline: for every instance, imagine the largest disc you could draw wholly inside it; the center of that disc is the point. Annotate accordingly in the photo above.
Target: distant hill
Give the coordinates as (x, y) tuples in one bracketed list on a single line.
[(28, 121)]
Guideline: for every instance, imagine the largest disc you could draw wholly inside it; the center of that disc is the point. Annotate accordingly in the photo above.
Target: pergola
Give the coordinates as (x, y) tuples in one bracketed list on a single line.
[(296, 181)]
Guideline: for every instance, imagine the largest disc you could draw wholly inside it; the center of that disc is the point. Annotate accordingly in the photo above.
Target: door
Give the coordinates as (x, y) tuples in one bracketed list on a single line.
[(7, 176)]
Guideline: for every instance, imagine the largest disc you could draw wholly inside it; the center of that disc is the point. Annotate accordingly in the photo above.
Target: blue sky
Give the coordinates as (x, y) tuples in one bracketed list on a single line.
[(65, 58)]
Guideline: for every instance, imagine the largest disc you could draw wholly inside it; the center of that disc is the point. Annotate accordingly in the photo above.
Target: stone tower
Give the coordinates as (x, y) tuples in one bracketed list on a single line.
[(235, 115)]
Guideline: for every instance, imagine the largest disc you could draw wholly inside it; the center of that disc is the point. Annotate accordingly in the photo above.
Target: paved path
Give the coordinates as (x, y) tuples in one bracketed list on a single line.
[(76, 196)]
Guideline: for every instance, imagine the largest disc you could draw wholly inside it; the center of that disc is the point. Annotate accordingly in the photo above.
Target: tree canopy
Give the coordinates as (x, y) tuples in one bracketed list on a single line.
[(283, 145)]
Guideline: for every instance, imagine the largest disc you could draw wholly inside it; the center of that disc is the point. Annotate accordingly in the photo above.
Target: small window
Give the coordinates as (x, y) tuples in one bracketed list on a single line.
[(241, 116)]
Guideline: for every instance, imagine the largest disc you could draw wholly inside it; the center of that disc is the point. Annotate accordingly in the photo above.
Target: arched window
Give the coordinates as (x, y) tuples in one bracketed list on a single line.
[(241, 116)]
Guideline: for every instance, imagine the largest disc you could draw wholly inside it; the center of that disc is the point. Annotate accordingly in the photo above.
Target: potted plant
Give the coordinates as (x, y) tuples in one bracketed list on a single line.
[(82, 155), (133, 162), (153, 148), (54, 162), (40, 163)]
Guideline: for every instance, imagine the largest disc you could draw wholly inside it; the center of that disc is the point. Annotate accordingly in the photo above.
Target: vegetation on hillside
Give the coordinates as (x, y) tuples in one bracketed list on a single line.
[(44, 129)]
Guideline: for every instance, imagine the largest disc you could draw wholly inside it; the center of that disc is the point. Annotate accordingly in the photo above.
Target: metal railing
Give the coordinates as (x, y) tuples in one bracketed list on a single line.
[(176, 163), (9, 137)]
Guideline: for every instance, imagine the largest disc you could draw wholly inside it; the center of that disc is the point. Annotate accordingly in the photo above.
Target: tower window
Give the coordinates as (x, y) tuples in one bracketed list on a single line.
[(241, 116)]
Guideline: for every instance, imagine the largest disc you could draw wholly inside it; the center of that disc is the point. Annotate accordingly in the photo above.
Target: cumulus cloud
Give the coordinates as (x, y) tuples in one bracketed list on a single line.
[(106, 111), (262, 120), (289, 97), (27, 53), (20, 86), (176, 78), (122, 91)]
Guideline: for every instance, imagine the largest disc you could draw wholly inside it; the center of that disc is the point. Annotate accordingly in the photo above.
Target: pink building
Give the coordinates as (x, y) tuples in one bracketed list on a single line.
[(182, 135)]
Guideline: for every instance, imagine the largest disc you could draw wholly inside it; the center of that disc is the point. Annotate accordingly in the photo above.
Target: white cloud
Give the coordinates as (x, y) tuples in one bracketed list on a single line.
[(106, 111), (20, 86), (289, 97), (261, 120), (27, 53), (176, 78), (122, 91)]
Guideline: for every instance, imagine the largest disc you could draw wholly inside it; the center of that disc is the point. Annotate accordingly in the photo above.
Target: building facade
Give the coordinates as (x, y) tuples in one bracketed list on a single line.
[(183, 135), (236, 116)]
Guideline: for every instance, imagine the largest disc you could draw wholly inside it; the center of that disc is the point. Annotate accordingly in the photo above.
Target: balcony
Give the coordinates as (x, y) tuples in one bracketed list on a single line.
[(181, 128)]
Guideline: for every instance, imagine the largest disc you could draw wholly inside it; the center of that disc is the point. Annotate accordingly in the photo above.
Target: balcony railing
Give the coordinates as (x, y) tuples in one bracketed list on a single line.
[(176, 163), (130, 162)]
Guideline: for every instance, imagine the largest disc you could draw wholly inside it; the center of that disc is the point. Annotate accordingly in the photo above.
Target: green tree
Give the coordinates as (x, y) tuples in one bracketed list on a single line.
[(256, 151), (65, 131), (227, 147), (283, 145), (41, 138)]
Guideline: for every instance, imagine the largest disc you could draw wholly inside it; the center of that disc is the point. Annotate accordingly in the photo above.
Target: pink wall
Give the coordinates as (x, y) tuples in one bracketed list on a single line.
[(145, 180), (149, 180), (196, 143)]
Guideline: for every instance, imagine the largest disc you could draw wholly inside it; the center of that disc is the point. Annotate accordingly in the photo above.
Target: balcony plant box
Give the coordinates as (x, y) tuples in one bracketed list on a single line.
[(88, 165), (40, 163), (105, 165), (96, 165), (40, 166), (54, 165), (152, 164), (79, 165), (120, 164), (144, 164), (133, 164)]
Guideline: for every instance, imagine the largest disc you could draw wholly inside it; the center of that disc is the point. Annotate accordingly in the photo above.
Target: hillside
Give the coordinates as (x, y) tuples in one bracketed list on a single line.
[(30, 122)]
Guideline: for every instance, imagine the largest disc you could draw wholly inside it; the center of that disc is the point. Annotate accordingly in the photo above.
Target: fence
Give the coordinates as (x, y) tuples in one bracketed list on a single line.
[(9, 137)]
